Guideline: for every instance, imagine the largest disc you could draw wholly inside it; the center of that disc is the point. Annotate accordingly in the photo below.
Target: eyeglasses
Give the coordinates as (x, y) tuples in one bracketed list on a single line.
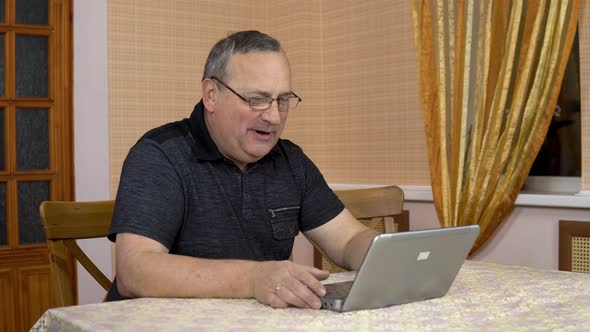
[(263, 103)]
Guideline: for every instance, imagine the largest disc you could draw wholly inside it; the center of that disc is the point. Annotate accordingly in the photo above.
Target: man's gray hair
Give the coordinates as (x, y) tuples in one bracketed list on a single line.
[(240, 42)]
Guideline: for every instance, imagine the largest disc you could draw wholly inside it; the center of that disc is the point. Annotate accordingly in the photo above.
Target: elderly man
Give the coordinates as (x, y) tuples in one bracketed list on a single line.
[(209, 206)]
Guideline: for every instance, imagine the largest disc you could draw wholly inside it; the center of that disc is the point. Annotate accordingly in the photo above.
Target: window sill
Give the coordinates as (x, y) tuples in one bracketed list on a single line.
[(580, 200)]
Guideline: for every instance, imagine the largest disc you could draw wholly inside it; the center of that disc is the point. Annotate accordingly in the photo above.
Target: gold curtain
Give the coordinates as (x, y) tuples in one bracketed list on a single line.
[(490, 73)]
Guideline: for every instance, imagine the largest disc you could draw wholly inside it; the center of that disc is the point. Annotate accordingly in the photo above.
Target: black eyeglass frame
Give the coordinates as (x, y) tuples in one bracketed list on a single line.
[(269, 100)]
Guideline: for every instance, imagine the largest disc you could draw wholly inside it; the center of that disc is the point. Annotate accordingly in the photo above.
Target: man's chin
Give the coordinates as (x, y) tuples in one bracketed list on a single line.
[(260, 151)]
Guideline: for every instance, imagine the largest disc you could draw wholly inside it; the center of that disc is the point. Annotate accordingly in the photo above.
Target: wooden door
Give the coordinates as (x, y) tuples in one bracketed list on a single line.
[(35, 148)]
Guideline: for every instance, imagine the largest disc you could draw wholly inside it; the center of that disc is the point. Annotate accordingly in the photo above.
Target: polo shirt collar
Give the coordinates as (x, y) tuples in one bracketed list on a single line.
[(205, 147)]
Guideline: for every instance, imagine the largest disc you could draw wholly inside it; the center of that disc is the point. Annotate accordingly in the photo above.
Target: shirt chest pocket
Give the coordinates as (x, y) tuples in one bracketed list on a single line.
[(284, 221)]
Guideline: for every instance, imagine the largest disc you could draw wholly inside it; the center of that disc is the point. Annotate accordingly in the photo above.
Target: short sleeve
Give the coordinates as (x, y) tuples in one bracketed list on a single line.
[(320, 203), (150, 197)]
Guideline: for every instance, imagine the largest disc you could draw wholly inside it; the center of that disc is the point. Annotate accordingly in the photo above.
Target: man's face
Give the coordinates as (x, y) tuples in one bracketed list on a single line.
[(242, 134)]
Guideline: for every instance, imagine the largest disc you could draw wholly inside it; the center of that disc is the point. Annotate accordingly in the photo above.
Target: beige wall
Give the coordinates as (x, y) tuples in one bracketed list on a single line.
[(528, 237)]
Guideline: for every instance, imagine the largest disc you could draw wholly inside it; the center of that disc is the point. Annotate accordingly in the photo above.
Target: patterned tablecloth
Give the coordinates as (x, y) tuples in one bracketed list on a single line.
[(484, 296)]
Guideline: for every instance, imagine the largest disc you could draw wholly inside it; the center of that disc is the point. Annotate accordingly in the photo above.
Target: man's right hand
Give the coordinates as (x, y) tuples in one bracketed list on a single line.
[(281, 284)]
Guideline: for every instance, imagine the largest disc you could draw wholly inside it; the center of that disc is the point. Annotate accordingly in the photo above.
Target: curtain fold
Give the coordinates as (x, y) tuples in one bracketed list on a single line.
[(490, 73)]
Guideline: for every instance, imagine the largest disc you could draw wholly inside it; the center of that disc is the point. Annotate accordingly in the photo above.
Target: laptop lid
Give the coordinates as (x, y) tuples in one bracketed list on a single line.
[(409, 266)]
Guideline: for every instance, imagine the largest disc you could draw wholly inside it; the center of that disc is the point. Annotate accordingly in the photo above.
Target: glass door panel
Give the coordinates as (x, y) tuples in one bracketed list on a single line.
[(2, 39), (30, 196), (32, 139), (32, 12), (3, 230), (2, 146), (2, 11), (32, 78)]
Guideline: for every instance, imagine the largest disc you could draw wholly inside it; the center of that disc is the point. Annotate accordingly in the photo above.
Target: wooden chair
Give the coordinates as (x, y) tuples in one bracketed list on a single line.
[(64, 222), (378, 208)]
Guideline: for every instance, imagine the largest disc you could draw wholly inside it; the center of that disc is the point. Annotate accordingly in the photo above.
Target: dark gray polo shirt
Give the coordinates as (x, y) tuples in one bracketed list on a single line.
[(178, 189)]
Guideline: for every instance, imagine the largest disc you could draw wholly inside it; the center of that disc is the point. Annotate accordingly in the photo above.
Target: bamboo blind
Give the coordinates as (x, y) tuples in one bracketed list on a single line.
[(353, 63), (157, 50)]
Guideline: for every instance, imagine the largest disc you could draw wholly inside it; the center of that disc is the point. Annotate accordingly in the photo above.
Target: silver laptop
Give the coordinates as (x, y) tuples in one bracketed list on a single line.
[(402, 268)]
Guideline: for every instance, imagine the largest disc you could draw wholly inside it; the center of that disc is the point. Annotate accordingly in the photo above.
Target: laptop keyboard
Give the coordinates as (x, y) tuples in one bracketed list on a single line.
[(337, 290)]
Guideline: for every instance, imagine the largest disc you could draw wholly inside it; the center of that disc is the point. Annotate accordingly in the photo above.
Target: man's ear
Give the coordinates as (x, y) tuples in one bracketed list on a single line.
[(210, 95)]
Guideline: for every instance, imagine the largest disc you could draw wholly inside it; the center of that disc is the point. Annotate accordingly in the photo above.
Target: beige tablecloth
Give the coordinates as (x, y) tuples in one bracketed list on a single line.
[(484, 296)]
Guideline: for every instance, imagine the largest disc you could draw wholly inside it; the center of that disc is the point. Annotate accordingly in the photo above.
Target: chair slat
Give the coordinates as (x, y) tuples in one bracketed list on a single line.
[(373, 202), (80, 220)]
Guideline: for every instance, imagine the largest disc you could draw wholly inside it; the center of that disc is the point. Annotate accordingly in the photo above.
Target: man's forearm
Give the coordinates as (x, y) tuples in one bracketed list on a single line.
[(356, 249), (166, 275)]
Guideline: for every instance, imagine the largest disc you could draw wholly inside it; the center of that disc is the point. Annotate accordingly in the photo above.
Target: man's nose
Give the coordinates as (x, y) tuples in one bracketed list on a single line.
[(272, 115)]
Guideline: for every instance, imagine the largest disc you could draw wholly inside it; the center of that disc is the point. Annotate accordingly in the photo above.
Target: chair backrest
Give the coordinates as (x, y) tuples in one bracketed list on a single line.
[(64, 222), (379, 208)]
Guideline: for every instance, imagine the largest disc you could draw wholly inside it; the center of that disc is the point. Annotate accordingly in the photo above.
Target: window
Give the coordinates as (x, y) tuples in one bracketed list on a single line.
[(558, 167)]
